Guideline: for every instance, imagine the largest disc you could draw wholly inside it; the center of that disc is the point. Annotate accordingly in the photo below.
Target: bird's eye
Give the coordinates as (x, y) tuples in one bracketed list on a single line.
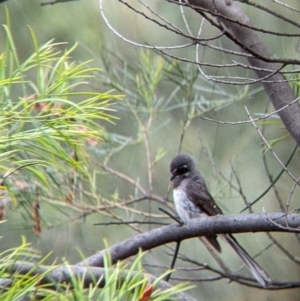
[(183, 169)]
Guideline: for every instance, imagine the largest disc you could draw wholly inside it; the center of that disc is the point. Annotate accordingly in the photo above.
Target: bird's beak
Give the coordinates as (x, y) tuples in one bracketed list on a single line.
[(172, 178)]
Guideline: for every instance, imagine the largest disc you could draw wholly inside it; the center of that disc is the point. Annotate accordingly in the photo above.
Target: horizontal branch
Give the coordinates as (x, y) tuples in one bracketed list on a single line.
[(90, 270), (220, 224)]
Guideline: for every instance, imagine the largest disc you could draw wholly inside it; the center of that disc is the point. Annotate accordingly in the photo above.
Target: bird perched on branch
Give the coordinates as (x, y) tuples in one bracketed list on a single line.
[(192, 200)]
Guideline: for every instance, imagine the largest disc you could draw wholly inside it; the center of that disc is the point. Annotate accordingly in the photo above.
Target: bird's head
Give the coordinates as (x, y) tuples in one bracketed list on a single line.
[(181, 166)]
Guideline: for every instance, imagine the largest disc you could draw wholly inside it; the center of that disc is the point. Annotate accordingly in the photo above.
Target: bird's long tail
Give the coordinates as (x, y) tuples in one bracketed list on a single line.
[(258, 273)]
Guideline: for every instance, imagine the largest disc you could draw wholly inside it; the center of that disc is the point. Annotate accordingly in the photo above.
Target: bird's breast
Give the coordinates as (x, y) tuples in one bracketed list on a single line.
[(185, 208)]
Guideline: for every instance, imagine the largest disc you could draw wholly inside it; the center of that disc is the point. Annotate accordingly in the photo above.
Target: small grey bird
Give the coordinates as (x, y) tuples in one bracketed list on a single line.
[(192, 200)]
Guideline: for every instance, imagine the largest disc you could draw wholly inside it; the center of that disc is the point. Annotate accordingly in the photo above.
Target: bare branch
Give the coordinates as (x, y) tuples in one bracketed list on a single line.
[(51, 2), (197, 227), (253, 119), (279, 93), (91, 272)]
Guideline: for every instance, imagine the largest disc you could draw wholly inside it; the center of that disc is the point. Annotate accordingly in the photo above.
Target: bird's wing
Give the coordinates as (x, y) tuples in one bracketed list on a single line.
[(198, 193)]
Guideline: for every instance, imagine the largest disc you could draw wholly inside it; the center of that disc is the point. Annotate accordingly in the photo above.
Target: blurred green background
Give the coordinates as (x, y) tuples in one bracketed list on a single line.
[(213, 144)]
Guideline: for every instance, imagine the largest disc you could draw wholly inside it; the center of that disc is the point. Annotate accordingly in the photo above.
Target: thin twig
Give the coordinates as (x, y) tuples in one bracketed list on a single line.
[(173, 261), (131, 222), (270, 148), (252, 119), (273, 182)]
